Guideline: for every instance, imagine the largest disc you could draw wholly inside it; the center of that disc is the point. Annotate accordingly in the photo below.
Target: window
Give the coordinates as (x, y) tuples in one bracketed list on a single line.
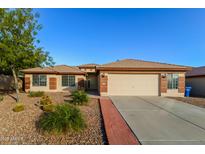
[(71, 81), (68, 80), (39, 80), (64, 80), (172, 81)]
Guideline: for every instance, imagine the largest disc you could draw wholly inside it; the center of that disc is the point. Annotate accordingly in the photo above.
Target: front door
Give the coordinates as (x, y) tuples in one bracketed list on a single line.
[(92, 82)]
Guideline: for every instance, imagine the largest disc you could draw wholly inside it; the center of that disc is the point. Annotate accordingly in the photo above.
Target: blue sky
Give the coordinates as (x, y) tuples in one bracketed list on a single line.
[(78, 36)]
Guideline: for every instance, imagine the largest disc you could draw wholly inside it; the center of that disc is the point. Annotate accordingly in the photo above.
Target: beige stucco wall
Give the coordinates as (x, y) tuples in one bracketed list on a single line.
[(98, 76), (197, 84), (173, 93), (181, 74), (88, 70), (59, 87)]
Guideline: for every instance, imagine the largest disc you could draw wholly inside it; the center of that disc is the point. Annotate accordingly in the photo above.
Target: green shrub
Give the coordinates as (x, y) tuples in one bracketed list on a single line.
[(1, 98), (18, 107), (49, 108), (79, 97), (36, 94), (45, 100), (65, 117)]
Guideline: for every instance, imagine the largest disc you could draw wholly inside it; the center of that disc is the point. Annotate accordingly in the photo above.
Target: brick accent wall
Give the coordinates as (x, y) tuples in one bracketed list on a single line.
[(52, 83), (103, 83), (81, 83), (27, 83), (181, 86), (163, 84)]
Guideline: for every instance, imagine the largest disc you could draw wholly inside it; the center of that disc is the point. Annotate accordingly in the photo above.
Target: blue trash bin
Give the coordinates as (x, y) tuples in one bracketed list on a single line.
[(187, 91)]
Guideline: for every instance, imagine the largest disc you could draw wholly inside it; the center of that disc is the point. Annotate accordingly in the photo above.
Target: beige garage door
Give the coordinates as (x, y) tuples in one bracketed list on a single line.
[(133, 84)]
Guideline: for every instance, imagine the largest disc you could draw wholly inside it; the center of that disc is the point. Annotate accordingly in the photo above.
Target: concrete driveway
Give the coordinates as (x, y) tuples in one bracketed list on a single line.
[(158, 120)]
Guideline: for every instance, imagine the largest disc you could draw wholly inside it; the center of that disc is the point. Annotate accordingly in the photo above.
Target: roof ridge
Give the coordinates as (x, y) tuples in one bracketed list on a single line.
[(65, 65), (144, 61), (55, 69), (74, 68), (88, 64), (61, 65), (199, 67), (157, 62), (52, 68), (110, 62)]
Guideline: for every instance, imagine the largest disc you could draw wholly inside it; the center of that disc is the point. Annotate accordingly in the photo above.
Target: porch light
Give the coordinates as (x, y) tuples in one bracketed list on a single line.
[(163, 75), (103, 75)]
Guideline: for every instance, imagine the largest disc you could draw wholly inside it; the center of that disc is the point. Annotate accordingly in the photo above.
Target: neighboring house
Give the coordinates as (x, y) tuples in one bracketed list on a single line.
[(123, 77), (196, 79)]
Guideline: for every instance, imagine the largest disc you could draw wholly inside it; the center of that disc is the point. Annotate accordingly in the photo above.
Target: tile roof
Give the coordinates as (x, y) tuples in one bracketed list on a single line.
[(197, 71), (54, 69), (88, 65), (134, 63), (120, 64)]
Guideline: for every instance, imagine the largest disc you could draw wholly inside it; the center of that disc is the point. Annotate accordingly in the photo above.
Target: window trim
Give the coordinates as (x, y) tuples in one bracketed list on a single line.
[(63, 80), (39, 80), (68, 81), (172, 81)]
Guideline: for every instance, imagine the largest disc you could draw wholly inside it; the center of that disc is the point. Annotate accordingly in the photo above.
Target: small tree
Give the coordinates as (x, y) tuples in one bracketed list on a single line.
[(18, 42)]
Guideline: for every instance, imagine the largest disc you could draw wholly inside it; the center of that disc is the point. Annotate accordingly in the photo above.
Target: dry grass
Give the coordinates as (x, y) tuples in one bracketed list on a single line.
[(191, 100)]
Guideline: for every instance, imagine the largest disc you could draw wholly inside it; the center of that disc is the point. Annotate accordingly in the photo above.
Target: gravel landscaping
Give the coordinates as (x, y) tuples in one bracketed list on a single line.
[(191, 100), (20, 127)]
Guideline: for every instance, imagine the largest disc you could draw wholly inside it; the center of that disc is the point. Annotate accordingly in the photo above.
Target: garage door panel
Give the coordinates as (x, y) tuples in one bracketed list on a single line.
[(133, 84)]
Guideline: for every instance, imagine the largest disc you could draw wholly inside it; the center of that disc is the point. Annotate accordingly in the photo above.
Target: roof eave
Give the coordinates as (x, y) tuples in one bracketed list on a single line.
[(142, 69), (58, 73), (71, 73), (86, 66), (194, 76)]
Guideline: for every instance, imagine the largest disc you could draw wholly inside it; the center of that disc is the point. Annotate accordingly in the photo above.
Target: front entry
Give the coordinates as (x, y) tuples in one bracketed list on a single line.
[(91, 82)]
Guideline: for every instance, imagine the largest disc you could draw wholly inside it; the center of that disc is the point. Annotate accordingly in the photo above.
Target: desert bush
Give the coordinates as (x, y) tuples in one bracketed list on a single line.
[(1, 98), (18, 107), (79, 97), (45, 100), (49, 108), (65, 118), (36, 94)]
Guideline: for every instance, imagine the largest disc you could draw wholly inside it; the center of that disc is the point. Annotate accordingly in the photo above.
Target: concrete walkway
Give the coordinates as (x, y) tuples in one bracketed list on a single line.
[(158, 120)]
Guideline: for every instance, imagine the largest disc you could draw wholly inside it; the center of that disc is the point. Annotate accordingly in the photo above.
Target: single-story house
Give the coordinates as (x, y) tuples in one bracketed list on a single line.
[(196, 79), (122, 77)]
